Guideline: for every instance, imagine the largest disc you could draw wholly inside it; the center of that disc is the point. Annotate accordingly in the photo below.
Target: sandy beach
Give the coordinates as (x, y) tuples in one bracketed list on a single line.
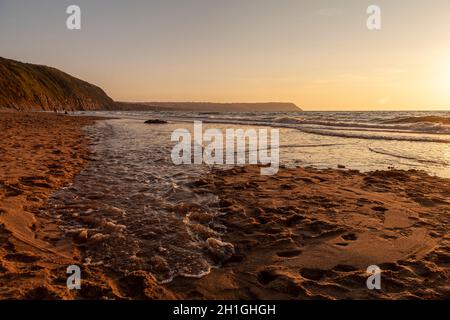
[(301, 234), (311, 234), (41, 153)]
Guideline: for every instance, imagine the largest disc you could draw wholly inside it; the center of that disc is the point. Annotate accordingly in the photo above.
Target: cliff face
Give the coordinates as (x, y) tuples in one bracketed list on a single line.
[(25, 86)]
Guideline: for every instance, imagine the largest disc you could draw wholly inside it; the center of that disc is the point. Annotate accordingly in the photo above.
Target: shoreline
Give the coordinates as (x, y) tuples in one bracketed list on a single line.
[(287, 229)]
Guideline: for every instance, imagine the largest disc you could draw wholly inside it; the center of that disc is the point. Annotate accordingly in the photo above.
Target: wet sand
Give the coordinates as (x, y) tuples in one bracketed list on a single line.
[(312, 234), (39, 153), (302, 234)]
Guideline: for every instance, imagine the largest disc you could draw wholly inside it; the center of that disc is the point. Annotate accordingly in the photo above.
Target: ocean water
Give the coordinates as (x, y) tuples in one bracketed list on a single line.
[(363, 141), (139, 208)]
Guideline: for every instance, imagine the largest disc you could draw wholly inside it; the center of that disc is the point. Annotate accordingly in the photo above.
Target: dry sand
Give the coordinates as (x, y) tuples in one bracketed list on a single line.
[(301, 234)]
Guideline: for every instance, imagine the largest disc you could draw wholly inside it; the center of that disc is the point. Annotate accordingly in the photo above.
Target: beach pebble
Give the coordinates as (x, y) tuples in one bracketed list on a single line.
[(98, 237), (201, 217), (220, 251), (81, 236), (159, 264), (202, 231)]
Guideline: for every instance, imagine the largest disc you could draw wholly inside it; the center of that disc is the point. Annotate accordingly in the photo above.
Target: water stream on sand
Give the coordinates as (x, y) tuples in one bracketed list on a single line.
[(138, 208)]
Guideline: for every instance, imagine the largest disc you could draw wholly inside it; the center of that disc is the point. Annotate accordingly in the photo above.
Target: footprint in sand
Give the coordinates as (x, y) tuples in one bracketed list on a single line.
[(293, 220), (363, 201), (41, 182), (379, 209), (266, 276), (441, 258), (289, 253), (391, 266), (345, 268), (349, 237), (281, 283), (22, 257), (342, 244), (12, 191), (314, 273)]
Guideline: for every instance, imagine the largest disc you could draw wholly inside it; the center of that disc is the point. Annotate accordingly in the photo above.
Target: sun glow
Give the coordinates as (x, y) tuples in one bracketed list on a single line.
[(445, 75), (439, 84)]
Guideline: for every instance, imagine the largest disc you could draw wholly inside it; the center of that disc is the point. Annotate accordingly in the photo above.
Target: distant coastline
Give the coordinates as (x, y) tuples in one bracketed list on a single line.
[(32, 87), (209, 106)]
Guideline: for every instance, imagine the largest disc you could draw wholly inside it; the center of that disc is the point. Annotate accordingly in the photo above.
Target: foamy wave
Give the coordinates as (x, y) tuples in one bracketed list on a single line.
[(373, 137), (316, 126), (391, 135), (427, 119), (413, 127)]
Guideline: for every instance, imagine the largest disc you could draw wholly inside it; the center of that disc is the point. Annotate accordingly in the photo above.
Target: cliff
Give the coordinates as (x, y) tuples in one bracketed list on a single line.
[(25, 86)]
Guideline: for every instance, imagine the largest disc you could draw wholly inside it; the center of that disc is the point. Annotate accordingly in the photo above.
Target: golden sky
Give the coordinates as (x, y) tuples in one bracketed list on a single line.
[(318, 54)]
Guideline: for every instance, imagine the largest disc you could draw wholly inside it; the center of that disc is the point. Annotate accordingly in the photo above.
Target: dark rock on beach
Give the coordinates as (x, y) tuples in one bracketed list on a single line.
[(155, 121)]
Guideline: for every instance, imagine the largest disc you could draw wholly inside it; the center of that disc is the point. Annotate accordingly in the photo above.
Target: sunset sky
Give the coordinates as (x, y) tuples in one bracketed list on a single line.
[(318, 54)]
